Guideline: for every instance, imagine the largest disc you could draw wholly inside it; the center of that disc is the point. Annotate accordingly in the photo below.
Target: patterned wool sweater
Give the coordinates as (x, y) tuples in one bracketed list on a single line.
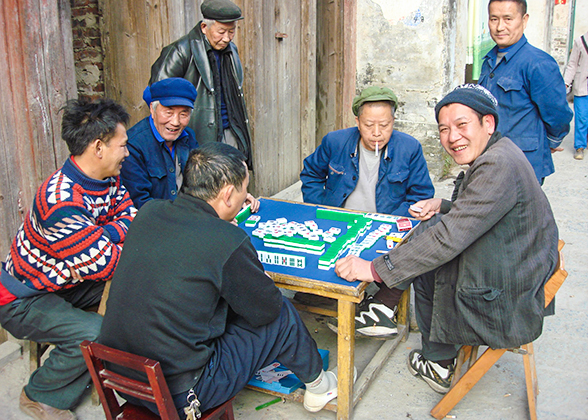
[(75, 222)]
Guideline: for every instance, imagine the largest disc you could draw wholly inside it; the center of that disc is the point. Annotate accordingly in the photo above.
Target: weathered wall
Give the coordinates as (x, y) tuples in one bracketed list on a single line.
[(559, 33), (417, 49), (87, 48)]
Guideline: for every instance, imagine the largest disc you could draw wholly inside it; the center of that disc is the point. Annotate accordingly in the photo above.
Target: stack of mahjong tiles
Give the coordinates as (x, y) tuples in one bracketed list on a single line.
[(370, 240), (357, 225), (295, 236)]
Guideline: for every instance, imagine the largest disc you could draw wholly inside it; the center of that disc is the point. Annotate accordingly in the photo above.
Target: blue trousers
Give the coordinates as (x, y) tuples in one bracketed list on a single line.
[(57, 318), (243, 349), (581, 122)]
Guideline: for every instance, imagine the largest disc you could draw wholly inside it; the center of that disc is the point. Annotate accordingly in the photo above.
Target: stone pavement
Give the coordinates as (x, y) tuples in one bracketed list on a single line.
[(395, 394)]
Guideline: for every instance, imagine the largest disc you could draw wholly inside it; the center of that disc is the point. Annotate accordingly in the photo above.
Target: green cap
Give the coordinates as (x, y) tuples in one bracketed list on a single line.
[(220, 10), (374, 94)]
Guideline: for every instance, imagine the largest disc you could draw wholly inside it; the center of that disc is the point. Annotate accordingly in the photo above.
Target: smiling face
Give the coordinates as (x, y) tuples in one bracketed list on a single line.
[(462, 133), (375, 123), (170, 121), (219, 34), (506, 22), (114, 153)]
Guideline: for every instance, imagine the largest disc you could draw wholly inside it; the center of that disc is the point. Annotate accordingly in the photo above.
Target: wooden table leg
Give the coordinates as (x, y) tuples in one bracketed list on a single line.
[(345, 358)]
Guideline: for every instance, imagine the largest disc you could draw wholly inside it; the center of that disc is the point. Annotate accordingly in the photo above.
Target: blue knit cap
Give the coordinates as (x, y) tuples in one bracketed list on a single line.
[(474, 96)]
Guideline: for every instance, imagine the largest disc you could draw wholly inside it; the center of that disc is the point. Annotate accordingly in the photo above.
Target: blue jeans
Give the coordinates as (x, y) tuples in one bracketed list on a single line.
[(581, 122), (57, 318)]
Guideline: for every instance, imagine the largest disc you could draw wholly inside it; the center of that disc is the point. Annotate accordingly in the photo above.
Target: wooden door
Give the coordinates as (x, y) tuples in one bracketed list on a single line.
[(36, 78)]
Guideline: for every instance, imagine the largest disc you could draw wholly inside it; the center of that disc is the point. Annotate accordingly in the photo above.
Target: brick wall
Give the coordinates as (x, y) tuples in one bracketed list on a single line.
[(87, 46)]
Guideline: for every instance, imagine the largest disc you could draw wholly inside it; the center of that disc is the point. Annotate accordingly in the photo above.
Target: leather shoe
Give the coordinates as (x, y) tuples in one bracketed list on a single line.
[(42, 411), (579, 155)]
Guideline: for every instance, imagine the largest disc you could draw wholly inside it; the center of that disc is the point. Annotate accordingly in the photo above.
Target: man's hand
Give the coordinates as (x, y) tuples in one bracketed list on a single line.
[(428, 208), (557, 149), (352, 268), (253, 201), (75, 275)]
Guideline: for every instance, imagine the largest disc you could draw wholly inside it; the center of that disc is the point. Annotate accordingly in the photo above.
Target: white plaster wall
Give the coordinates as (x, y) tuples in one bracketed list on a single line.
[(581, 21), (538, 24)]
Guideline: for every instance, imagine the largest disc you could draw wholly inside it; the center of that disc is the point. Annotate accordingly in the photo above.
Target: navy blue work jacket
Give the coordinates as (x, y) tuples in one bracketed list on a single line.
[(532, 107), (150, 171), (330, 174)]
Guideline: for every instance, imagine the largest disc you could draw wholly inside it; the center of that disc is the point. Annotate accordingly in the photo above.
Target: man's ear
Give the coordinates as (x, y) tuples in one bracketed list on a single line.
[(489, 123), (97, 147), (227, 194)]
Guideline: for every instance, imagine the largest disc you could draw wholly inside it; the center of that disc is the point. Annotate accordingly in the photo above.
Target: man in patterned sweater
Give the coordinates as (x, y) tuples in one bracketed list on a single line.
[(67, 247)]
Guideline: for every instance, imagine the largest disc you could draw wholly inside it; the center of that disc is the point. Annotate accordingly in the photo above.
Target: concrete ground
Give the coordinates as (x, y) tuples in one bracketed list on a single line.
[(395, 394)]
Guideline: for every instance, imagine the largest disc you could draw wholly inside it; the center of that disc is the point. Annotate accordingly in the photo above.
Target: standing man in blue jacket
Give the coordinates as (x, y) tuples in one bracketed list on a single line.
[(160, 143), (528, 85), (372, 168)]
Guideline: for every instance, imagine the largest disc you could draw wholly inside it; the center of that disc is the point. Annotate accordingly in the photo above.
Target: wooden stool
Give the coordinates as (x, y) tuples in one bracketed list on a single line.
[(461, 385), (155, 391)]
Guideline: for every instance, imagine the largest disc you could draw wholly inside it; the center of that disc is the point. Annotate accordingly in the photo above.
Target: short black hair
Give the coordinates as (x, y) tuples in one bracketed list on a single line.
[(212, 166), (85, 121), (522, 5)]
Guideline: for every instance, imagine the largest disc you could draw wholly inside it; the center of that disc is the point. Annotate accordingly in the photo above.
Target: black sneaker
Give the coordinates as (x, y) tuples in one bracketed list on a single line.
[(438, 377), (373, 319)]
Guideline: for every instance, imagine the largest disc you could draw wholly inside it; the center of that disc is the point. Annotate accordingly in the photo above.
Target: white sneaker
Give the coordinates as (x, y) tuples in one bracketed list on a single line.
[(315, 402)]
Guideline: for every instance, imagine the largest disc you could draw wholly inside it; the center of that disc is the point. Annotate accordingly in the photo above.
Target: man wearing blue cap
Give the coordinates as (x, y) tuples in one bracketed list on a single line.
[(160, 143), (479, 265), (208, 58)]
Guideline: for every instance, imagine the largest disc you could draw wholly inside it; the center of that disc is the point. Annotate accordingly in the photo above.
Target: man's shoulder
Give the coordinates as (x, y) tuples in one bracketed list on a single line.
[(139, 128), (343, 135), (139, 132), (403, 139), (532, 56)]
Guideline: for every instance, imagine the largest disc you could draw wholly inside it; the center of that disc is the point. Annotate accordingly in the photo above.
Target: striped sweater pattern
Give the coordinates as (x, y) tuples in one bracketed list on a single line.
[(76, 223)]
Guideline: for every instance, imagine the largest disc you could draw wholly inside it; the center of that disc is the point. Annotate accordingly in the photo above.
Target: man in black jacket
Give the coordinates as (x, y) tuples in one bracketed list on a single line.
[(208, 58), (190, 292)]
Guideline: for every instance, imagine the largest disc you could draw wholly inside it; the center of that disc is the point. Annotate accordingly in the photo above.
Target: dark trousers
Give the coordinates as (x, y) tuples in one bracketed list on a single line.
[(424, 293), (243, 349), (57, 318)]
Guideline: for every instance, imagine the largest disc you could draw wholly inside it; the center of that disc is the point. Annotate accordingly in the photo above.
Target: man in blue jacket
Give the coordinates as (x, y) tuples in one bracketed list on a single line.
[(528, 85), (160, 143), (372, 168)]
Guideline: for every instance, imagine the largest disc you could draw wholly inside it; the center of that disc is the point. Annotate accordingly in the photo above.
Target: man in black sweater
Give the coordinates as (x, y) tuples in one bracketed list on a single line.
[(190, 292)]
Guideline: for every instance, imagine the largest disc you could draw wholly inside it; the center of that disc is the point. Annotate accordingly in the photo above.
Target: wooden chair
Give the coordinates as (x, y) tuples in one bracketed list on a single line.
[(156, 391), (461, 385)]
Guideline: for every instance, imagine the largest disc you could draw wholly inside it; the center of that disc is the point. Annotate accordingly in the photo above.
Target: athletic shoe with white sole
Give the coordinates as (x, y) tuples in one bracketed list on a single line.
[(315, 402), (376, 319), (438, 377), (373, 319)]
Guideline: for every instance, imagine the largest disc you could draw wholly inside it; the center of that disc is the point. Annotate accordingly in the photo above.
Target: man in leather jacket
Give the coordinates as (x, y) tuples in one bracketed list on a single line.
[(208, 58)]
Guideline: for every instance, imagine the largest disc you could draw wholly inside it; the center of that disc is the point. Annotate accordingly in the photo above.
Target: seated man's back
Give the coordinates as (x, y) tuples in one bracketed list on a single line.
[(191, 293)]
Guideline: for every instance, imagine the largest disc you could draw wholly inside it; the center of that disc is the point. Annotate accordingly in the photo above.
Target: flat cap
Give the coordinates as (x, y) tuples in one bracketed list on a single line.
[(473, 96), (374, 94), (174, 91), (220, 10)]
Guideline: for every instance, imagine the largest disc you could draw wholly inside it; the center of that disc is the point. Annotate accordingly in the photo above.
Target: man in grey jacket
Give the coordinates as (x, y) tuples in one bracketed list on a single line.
[(480, 264), (208, 58)]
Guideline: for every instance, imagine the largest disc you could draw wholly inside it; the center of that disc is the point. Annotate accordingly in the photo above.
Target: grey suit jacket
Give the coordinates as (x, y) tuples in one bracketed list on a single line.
[(492, 253)]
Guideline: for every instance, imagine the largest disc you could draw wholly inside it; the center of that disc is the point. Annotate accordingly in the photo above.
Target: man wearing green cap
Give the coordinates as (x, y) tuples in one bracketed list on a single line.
[(208, 58), (372, 168)]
